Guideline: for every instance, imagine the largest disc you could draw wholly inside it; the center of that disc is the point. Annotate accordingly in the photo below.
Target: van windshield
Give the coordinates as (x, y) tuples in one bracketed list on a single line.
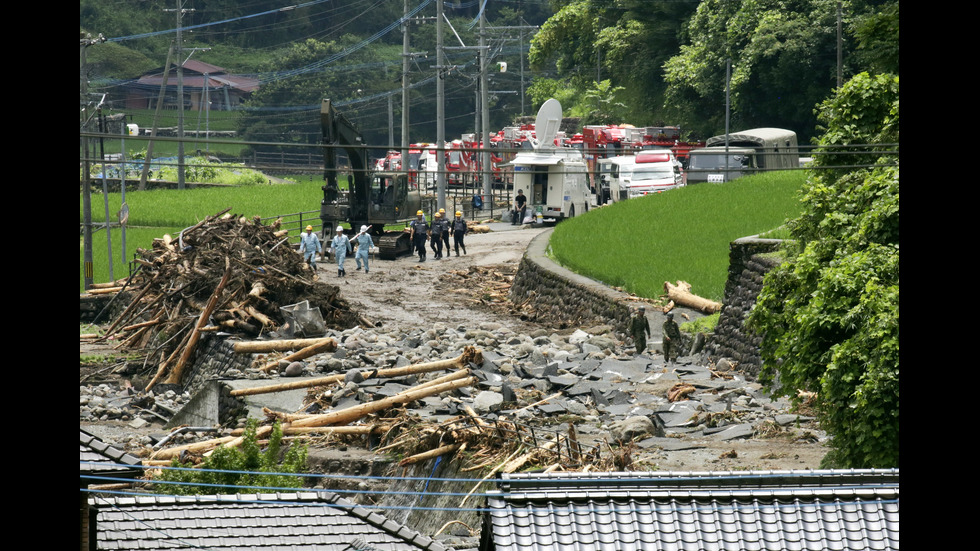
[(717, 160), (652, 171)]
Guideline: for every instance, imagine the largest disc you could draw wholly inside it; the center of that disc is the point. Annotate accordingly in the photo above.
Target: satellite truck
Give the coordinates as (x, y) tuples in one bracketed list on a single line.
[(554, 177), (373, 198)]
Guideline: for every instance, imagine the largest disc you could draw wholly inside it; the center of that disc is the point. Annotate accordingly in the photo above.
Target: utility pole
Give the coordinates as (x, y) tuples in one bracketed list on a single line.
[(85, 40), (180, 95), (405, 67), (485, 112), (440, 111)]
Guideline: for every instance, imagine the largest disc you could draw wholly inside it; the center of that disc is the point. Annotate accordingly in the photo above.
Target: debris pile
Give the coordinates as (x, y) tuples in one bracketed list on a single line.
[(227, 273)]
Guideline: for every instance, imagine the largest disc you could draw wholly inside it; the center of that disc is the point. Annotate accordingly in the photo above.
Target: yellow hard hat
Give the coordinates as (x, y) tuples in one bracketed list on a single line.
[(309, 228), (419, 213), (438, 214), (443, 211), (459, 213)]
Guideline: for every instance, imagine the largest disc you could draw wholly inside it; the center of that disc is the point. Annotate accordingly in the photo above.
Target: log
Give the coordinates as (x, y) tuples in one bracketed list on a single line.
[(197, 447), (347, 415), (259, 347), (325, 345), (202, 321), (469, 354), (681, 294), (442, 450)]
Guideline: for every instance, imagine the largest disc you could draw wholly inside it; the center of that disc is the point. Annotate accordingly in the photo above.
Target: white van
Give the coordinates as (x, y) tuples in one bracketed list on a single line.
[(649, 171)]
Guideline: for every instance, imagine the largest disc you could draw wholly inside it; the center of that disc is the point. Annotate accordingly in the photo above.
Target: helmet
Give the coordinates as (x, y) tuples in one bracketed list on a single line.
[(309, 228), (340, 229), (670, 315), (419, 213), (642, 308), (437, 215), (459, 213), (442, 211), (364, 228)]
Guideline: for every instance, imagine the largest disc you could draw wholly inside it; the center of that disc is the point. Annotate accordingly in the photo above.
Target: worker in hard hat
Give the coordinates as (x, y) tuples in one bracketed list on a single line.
[(458, 229), (447, 223), (364, 246), (436, 231), (309, 246), (419, 232), (340, 246)]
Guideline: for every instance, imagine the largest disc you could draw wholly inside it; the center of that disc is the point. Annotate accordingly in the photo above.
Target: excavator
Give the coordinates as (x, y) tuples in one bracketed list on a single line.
[(373, 199)]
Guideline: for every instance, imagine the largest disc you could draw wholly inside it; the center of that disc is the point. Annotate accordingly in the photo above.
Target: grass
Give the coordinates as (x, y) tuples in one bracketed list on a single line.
[(216, 121), (682, 234)]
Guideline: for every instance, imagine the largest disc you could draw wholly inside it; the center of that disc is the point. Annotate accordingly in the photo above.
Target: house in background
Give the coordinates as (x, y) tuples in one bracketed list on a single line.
[(764, 510), (203, 83)]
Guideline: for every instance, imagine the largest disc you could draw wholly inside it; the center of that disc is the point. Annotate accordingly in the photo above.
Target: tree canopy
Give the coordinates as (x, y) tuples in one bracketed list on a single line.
[(829, 315)]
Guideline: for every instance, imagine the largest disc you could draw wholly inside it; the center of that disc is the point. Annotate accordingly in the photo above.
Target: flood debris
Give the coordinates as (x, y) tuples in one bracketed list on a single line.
[(227, 273)]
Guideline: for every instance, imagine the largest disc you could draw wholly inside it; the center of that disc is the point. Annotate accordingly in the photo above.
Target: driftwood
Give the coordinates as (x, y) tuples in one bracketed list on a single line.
[(681, 294), (347, 415), (442, 450), (469, 355), (260, 347), (324, 345), (178, 278)]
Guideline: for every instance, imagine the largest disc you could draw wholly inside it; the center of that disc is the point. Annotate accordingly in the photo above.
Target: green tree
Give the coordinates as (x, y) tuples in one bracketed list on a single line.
[(247, 467), (829, 315), (783, 56)]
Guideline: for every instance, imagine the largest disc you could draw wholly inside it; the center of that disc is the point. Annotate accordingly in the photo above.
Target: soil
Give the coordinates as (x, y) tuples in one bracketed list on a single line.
[(406, 293)]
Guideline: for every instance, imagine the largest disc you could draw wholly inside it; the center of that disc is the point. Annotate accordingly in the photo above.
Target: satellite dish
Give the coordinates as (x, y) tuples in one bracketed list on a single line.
[(547, 123)]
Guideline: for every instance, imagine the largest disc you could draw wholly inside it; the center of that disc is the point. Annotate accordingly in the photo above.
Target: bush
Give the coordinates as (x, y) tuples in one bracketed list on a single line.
[(232, 470), (829, 314)]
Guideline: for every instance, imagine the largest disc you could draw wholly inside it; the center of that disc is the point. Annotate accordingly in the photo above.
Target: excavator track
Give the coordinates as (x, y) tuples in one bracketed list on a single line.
[(391, 245)]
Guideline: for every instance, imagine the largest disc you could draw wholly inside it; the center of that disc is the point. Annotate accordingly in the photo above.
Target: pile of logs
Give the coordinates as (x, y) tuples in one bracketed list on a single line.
[(500, 445), (226, 273)]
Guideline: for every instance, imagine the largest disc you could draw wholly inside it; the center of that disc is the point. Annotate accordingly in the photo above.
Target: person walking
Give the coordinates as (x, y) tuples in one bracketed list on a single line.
[(447, 226), (341, 246), (309, 246), (672, 337), (458, 229), (520, 206), (438, 225), (418, 234), (639, 329), (364, 246)]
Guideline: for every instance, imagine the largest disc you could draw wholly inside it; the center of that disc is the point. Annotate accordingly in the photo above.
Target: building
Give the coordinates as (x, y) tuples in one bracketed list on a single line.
[(202, 83)]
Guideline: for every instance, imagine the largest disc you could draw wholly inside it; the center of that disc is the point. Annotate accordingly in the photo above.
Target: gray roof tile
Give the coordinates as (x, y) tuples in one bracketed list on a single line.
[(679, 511), (266, 522)]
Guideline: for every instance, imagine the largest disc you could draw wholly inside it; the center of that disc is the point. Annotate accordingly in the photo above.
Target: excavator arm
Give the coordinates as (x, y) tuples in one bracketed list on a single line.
[(340, 134)]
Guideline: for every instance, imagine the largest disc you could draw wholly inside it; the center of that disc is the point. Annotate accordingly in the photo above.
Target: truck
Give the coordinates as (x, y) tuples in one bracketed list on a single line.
[(747, 152), (649, 171), (373, 198), (554, 177)]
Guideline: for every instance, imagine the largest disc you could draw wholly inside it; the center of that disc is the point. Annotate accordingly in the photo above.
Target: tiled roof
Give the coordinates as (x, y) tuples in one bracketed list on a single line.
[(96, 456), (786, 510), (314, 520)]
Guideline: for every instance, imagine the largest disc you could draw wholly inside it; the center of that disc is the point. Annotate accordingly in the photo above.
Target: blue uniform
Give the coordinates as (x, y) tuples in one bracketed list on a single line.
[(309, 245), (364, 244), (341, 246)]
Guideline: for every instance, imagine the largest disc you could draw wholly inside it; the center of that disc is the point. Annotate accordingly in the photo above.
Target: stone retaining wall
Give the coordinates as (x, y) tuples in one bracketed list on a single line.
[(567, 299), (562, 297), (750, 259)]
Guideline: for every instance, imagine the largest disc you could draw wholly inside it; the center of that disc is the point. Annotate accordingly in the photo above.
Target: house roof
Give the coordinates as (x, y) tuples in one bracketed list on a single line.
[(782, 510), (97, 457), (315, 520)]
